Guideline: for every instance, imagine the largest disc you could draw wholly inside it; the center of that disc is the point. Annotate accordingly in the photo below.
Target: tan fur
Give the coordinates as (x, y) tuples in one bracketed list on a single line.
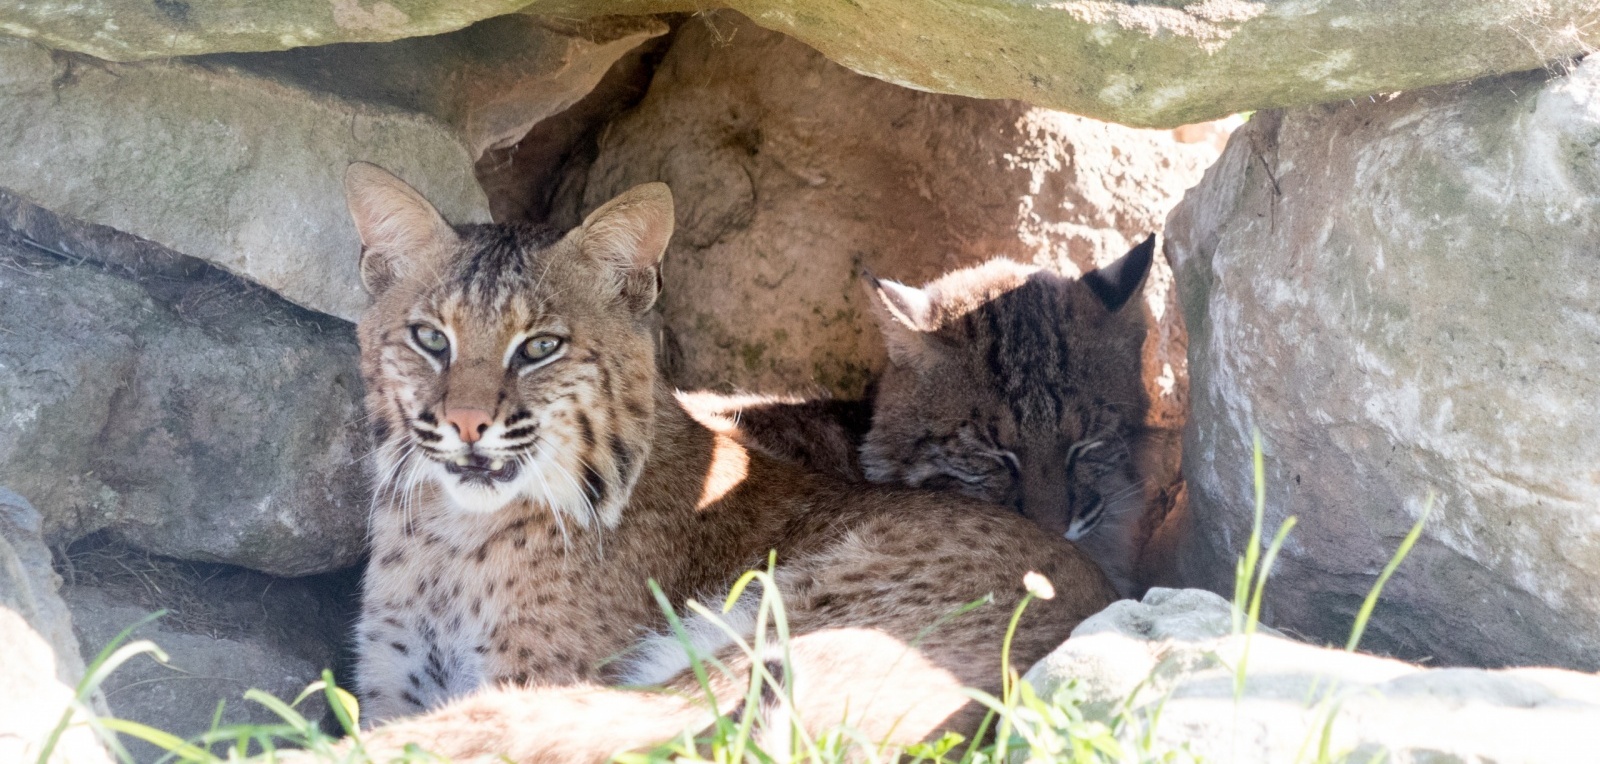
[(541, 584), (1016, 385), (1000, 377), (821, 434)]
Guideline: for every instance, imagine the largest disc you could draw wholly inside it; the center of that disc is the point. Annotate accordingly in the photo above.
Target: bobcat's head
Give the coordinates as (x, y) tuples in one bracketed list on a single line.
[(508, 363), (1017, 386)]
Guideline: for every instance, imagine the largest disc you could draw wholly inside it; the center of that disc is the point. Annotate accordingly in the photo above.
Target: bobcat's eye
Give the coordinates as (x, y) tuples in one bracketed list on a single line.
[(540, 347), (431, 339)]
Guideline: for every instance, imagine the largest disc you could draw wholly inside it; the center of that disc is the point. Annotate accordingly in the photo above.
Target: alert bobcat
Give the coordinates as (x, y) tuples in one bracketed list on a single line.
[(533, 473), (1007, 383)]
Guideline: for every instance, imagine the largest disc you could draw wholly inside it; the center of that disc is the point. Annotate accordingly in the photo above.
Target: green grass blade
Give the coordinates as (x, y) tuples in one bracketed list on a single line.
[(110, 657), (682, 634), (284, 711), (1371, 601), (166, 741), (1246, 569), (345, 706), (1266, 569)]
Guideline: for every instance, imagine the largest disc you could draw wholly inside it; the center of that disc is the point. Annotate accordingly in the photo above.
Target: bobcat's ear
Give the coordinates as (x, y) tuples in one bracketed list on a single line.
[(904, 315), (401, 233), (1117, 282), (628, 235)]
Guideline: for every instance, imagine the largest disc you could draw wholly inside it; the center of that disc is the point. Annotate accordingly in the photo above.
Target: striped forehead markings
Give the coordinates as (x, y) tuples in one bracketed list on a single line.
[(1028, 355)]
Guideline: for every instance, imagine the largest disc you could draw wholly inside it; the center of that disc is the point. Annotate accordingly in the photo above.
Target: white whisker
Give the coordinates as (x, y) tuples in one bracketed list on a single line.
[(589, 512), (549, 499)]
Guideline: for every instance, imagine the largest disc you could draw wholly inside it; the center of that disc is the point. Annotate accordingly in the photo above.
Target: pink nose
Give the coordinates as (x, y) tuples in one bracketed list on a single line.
[(469, 423)]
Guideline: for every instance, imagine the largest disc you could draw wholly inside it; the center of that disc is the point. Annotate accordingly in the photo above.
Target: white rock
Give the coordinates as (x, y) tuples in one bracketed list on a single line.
[(42, 666), (1178, 652)]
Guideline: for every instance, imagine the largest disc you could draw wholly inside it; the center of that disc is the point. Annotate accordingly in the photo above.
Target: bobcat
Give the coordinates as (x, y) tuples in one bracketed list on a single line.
[(1007, 383), (533, 473)]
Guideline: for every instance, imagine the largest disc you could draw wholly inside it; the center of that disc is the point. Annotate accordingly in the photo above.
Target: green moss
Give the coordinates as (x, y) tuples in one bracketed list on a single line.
[(752, 354), (846, 379)]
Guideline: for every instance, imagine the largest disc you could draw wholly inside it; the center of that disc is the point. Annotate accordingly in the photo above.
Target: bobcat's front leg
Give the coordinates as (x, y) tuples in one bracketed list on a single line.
[(403, 669)]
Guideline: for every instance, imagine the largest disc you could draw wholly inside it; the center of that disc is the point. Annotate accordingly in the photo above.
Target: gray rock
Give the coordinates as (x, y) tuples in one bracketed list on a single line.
[(226, 631), (42, 666), (1400, 295), (1135, 62), (492, 81), (200, 418), (122, 30), (211, 161), (1173, 657)]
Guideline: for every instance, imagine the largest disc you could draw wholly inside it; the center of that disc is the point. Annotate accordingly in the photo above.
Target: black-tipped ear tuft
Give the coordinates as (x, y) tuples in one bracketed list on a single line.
[(1117, 282)]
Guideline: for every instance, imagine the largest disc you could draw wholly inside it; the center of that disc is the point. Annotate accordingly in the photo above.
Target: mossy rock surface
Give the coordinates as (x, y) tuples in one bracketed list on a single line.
[(1139, 63)]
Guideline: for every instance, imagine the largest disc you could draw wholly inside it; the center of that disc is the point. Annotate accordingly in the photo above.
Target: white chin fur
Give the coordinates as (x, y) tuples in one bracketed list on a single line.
[(476, 499), (538, 481)]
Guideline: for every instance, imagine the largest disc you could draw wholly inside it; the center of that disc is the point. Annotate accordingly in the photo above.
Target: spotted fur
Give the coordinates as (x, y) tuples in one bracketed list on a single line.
[(1006, 383), (1018, 386), (481, 578)]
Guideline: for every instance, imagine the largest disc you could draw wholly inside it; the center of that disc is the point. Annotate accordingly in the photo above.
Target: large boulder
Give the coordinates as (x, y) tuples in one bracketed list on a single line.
[(791, 174), (215, 162), (1174, 660), (42, 668), (198, 418), (492, 81), (1400, 295), (1132, 61)]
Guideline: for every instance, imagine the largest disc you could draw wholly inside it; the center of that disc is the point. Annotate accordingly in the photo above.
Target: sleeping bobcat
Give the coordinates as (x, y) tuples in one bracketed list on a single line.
[(1007, 383), (534, 472)]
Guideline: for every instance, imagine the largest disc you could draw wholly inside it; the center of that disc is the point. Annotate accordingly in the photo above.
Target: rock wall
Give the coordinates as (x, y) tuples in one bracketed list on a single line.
[(248, 171), (792, 174), (248, 151), (1399, 293)]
